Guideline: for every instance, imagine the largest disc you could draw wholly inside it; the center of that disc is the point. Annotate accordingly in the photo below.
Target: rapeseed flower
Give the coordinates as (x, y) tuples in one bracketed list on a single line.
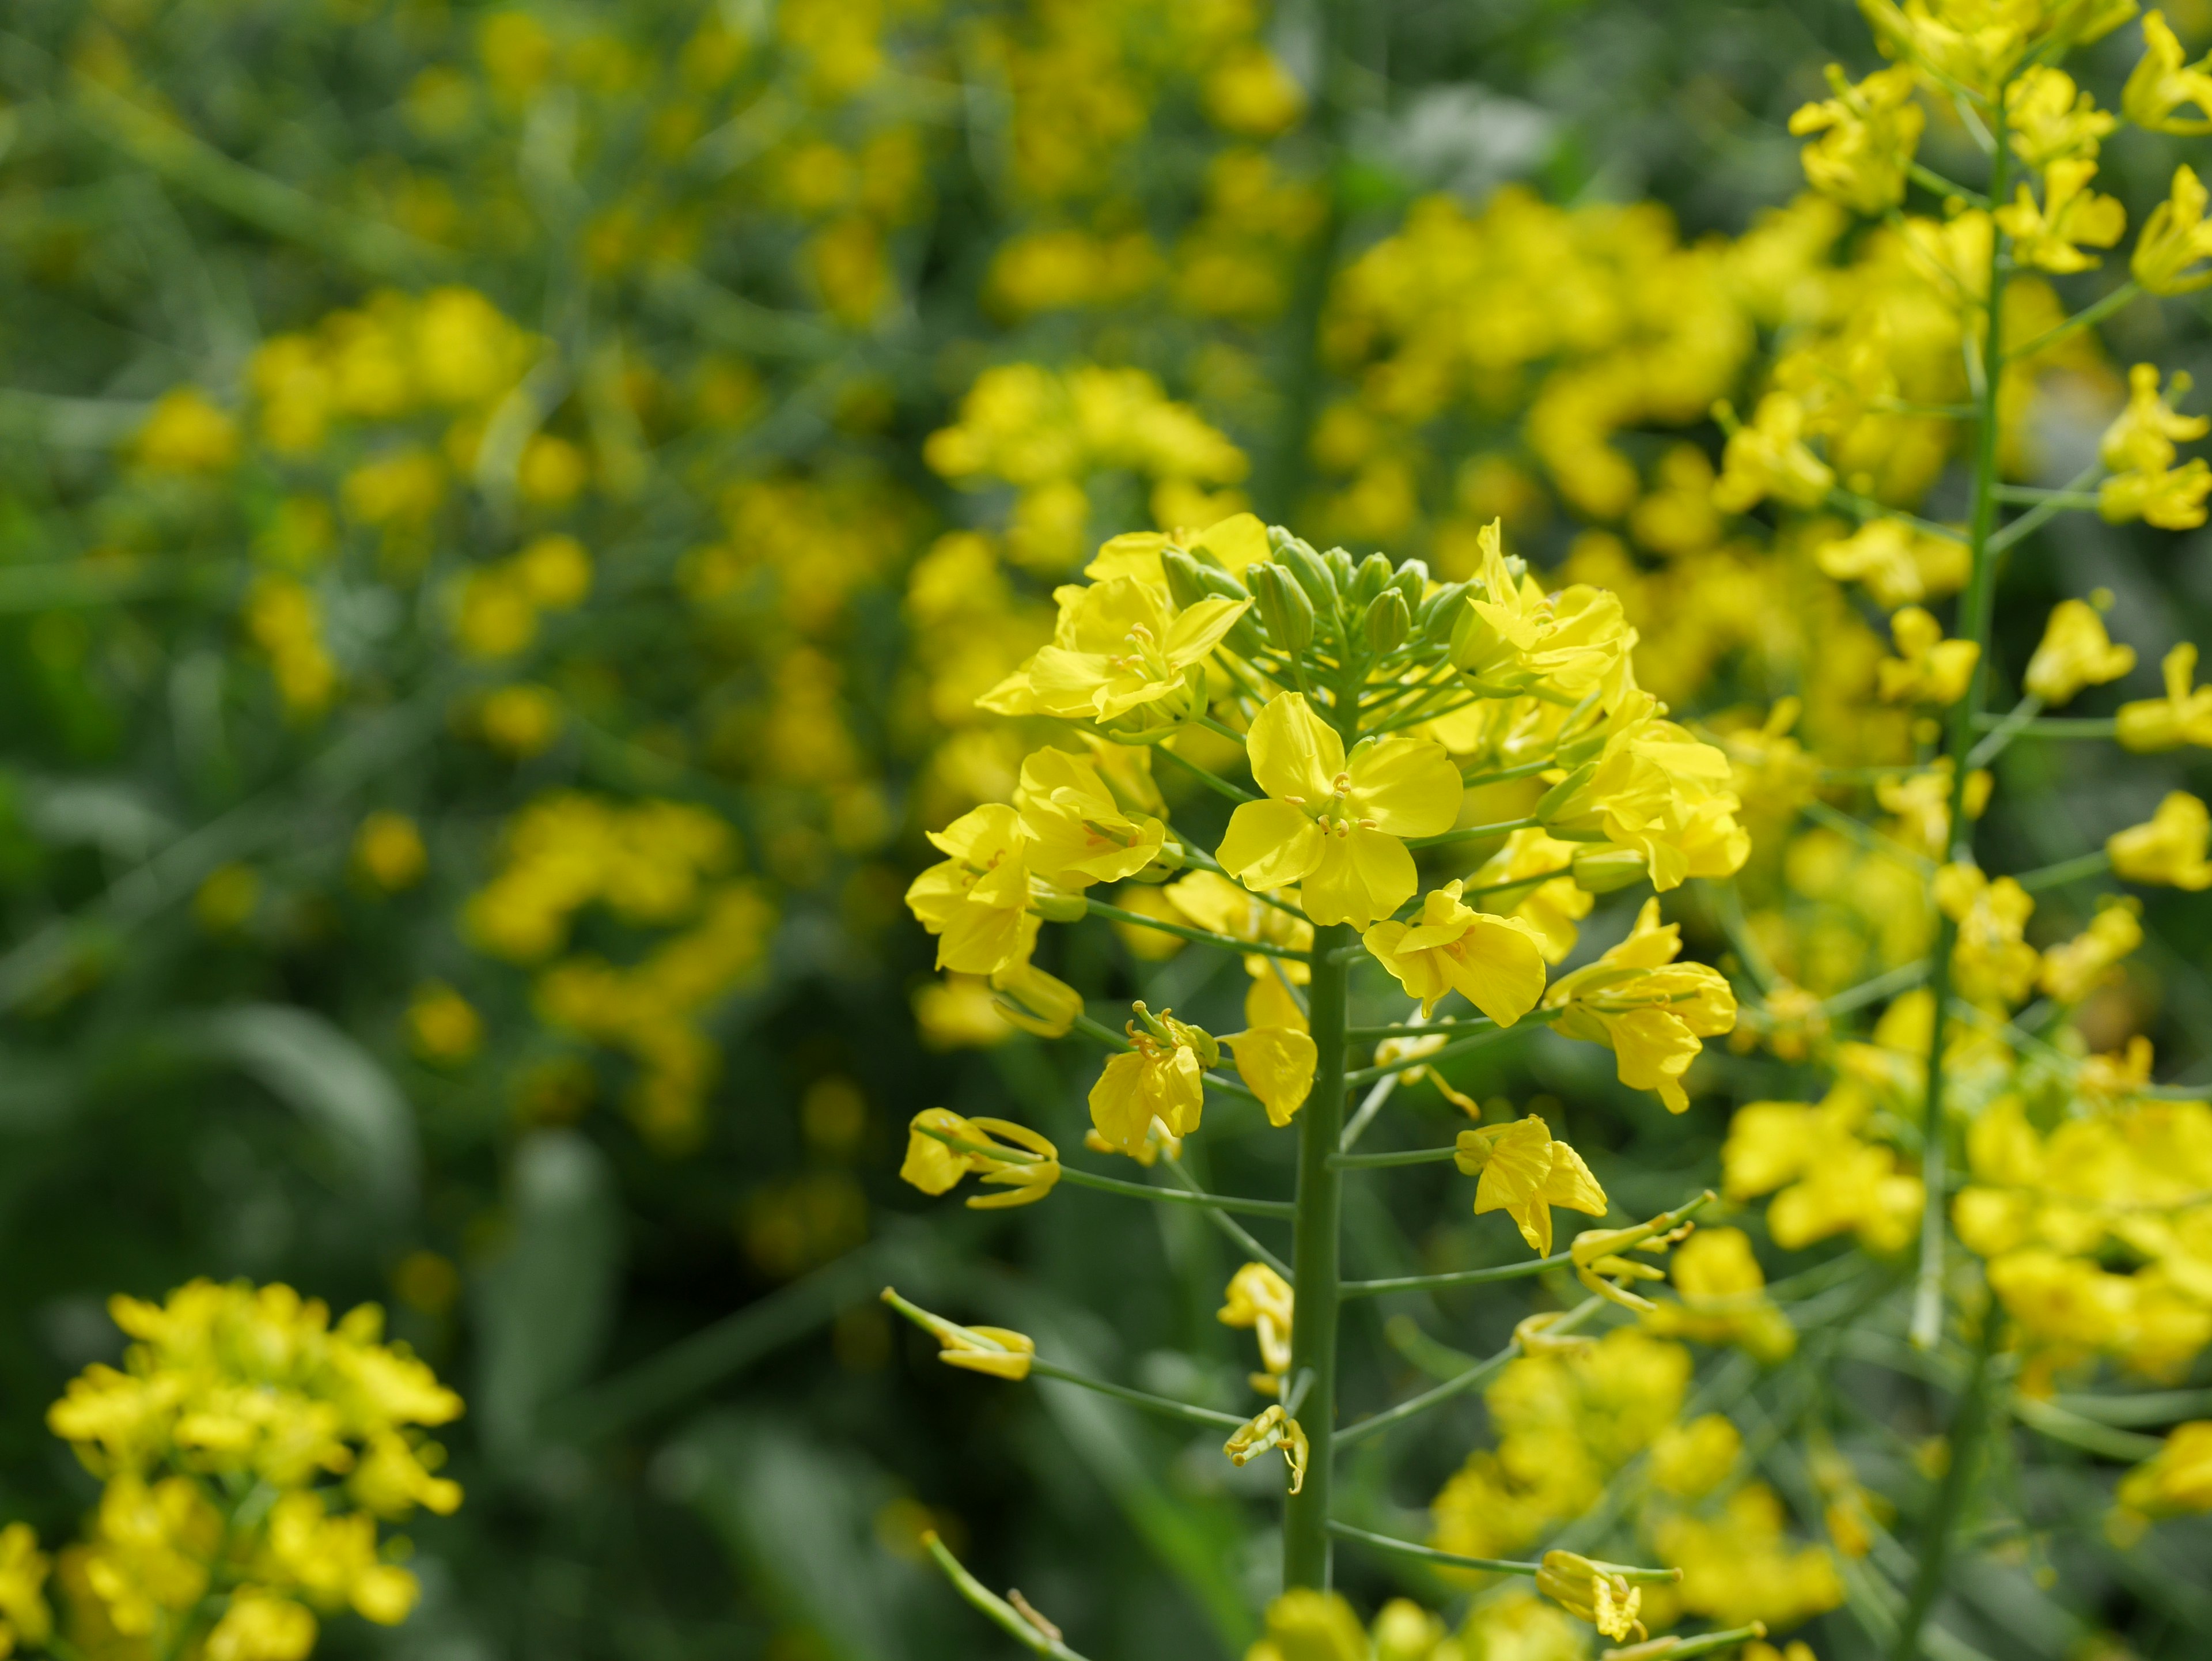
[(1868, 135), (2071, 216), (2174, 239), (2162, 83), (941, 1147), (1928, 668), (2167, 848), (1649, 1010), (1160, 1076), (1496, 963), (1525, 1171), (1259, 1301), (2075, 653), (974, 901), (2182, 717)]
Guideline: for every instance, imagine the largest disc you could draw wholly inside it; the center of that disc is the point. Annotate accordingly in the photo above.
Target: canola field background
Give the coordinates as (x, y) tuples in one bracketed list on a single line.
[(505, 512)]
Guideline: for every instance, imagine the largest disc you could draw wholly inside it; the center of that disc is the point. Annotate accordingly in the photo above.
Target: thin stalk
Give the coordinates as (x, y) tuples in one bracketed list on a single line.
[(1473, 833), (1413, 1406), (1315, 1248), (1457, 1047), (2051, 726), (1210, 780), (2095, 311), (1177, 1196), (1465, 1277), (1866, 836), (2002, 730), (1229, 1226), (2032, 496), (1507, 774), (1203, 936), (1902, 978), (1385, 1161), (1380, 1093), (1487, 1565), (1975, 612), (1967, 1427), (1167, 1406), (1942, 187), (2066, 870), (995, 1608), (2036, 517)]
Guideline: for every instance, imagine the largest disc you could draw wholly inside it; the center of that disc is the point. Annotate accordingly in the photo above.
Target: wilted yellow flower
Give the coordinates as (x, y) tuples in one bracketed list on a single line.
[(1033, 1000), (1160, 1076), (2048, 120), (1928, 668), (1272, 1428), (2173, 239), (1337, 828), (2075, 653), (2071, 216), (1496, 963), (2182, 717), (2074, 969), (973, 902), (2162, 83), (1525, 1172), (1868, 135), (1598, 1593), (1078, 834), (1768, 458), (2168, 849), (1991, 963), (1261, 1302), (1649, 1010), (934, 1165)]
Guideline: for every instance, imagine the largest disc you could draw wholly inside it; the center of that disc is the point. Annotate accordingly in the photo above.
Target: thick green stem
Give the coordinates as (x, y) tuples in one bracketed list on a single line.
[(1975, 610), (1313, 1258)]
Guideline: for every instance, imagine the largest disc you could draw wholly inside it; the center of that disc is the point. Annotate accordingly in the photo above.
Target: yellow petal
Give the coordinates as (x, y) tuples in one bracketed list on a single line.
[(1270, 844), (1198, 630), (930, 1166), (1571, 1183), (1407, 786), (1277, 1063), (1294, 753), (1513, 1180), (1498, 963)]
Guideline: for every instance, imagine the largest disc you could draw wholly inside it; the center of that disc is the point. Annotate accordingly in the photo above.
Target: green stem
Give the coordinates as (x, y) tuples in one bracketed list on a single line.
[(1227, 1224), (1457, 1047), (1203, 936), (2066, 870), (2029, 496), (995, 1608), (2097, 312), (1473, 833), (1414, 1406), (2002, 730), (1384, 1162), (2051, 726), (1314, 1247), (1975, 612), (1164, 1405), (1175, 1195), (1942, 187), (1210, 780), (1967, 1426), (2036, 517), (1465, 1277)]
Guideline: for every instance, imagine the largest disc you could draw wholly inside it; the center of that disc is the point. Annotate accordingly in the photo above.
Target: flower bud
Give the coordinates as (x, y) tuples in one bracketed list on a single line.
[(1413, 581), (1307, 568), (1440, 611), (1054, 906), (1370, 579), (1340, 570), (1284, 606), (1603, 867), (1388, 621), (1187, 583)]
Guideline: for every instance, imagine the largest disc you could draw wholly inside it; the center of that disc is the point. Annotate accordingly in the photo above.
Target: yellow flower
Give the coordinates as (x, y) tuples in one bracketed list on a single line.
[(1724, 1298), (1211, 901), (2074, 969), (1739, 1565), (2143, 438), (1120, 645), (1078, 834), (443, 1024), (974, 901), (1597, 1592), (1991, 964), (2048, 120), (1649, 1010), (1922, 802), (1274, 1053), (1553, 906), (24, 1615), (1690, 1461), (1337, 828), (2168, 849), (1033, 1000), (1832, 1183), (1496, 963), (1261, 1302), (257, 1627), (2075, 653), (2161, 83), (2176, 1479), (1768, 458), (934, 1165), (186, 434), (1928, 668), (389, 849), (522, 720), (1654, 789), (994, 1350), (2072, 216), (2182, 717), (1525, 1174), (1869, 133), (1517, 637), (1161, 1076), (2173, 239), (1272, 1428), (1305, 1625), (1899, 565)]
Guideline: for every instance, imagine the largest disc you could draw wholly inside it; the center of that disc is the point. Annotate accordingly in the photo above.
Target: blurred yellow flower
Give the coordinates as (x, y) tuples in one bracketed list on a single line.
[(1928, 668), (443, 1026), (2182, 717), (2071, 217), (1868, 135), (2162, 83), (389, 849), (2169, 847), (2075, 653)]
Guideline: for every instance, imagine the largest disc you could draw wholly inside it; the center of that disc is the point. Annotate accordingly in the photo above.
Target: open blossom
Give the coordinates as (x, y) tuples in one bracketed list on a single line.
[(1767, 457), (1525, 1171), (2182, 717), (2074, 969), (2049, 119), (2075, 653), (1275, 1055), (974, 901), (1515, 637), (2071, 216), (1991, 963), (1649, 1010), (1898, 564), (1078, 834), (2163, 83), (2176, 1479), (1161, 1075), (1868, 135), (934, 1165), (1657, 791), (1496, 963), (2168, 849), (1119, 645), (1544, 894), (1928, 668), (2174, 239), (1337, 827)]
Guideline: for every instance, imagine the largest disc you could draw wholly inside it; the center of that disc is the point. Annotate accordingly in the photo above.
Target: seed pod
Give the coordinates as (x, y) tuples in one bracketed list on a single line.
[(1390, 620), (1187, 583), (1283, 606), (1306, 568), (1372, 577)]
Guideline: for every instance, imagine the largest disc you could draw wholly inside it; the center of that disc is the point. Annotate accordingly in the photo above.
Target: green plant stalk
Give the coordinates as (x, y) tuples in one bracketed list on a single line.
[(1968, 1425), (1975, 610), (1314, 1245)]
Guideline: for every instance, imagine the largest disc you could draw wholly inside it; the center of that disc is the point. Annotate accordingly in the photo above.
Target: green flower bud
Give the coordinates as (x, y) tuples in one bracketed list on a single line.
[(1388, 622), (1054, 906), (1413, 581), (1439, 612), (1307, 569), (1603, 866), (1340, 567), (1372, 577), (1283, 606), (1186, 584)]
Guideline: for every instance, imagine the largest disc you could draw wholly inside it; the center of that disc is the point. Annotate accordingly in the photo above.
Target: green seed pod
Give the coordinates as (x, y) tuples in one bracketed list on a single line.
[(1390, 620), (1187, 583), (1372, 577), (1283, 607), (1306, 568)]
